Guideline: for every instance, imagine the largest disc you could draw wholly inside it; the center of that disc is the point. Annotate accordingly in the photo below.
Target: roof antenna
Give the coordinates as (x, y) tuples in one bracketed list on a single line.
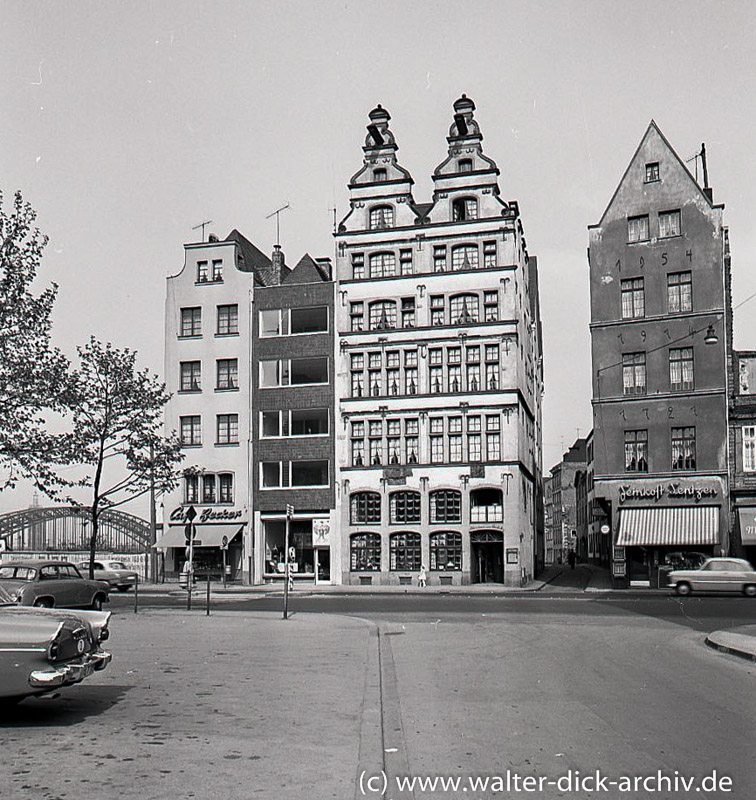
[(203, 225), (277, 214)]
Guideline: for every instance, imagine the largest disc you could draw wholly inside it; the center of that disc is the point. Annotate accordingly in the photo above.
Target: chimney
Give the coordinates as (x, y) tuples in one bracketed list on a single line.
[(279, 266)]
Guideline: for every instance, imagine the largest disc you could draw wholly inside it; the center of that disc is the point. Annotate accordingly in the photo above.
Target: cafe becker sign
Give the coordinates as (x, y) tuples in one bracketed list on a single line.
[(673, 491), (205, 515)]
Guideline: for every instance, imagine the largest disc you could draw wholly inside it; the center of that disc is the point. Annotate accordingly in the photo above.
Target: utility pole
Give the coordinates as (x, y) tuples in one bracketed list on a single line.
[(153, 519)]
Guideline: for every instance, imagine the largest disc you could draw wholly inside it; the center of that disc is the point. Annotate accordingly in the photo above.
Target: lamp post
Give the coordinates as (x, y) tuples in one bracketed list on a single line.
[(191, 513)]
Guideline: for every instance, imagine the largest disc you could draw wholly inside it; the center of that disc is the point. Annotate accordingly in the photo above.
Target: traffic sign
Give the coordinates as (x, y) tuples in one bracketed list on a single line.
[(289, 510), (224, 542)]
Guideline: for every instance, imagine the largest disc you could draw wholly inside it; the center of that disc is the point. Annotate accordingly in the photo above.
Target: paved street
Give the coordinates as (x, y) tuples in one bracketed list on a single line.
[(243, 704)]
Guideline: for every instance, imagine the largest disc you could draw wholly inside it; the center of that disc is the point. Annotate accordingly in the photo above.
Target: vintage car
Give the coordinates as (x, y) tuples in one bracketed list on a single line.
[(52, 584), (715, 575), (114, 573), (42, 650)]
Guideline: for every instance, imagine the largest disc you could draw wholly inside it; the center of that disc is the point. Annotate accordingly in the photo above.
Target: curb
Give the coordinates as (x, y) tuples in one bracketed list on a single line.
[(730, 649)]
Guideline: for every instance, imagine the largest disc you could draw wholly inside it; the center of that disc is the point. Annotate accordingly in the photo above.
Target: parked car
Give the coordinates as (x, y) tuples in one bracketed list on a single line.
[(716, 575), (52, 584), (114, 573), (42, 650)]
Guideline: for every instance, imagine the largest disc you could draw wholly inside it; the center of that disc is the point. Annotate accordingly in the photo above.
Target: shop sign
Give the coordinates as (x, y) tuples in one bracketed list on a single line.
[(321, 532), (673, 491), (208, 515)]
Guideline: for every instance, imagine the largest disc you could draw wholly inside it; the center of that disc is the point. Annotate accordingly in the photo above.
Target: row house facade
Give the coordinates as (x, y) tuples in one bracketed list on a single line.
[(660, 334), (742, 450), (439, 371), (567, 481)]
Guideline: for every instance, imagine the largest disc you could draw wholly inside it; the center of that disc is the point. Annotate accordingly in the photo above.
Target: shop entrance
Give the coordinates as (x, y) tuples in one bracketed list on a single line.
[(487, 557), (323, 565)]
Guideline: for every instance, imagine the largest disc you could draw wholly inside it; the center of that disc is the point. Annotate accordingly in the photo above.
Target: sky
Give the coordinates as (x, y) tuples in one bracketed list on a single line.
[(126, 124)]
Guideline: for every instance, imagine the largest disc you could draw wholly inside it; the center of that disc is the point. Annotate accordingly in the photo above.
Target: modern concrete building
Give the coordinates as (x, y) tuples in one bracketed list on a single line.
[(660, 328), (439, 371), (292, 422)]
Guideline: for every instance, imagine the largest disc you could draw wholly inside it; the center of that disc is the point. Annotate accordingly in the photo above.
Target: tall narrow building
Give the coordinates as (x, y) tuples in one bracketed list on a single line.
[(439, 371), (660, 331)]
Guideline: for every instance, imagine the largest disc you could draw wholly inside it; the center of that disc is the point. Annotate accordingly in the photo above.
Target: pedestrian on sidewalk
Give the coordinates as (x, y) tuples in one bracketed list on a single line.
[(422, 577), (572, 558)]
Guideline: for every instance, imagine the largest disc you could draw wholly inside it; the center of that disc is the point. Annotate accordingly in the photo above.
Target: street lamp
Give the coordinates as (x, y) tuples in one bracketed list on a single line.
[(711, 336)]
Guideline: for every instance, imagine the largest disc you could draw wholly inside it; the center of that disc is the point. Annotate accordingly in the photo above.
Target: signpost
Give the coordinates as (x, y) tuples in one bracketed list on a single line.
[(224, 550), (289, 515), (191, 531)]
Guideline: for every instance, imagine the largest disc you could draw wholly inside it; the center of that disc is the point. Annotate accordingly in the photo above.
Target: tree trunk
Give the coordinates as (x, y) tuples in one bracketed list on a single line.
[(95, 522)]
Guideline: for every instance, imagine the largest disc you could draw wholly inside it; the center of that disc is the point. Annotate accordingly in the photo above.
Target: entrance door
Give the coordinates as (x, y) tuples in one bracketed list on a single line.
[(487, 562), (323, 565)]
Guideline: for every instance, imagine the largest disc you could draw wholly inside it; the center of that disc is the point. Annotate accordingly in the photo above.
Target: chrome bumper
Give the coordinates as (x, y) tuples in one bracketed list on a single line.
[(69, 673)]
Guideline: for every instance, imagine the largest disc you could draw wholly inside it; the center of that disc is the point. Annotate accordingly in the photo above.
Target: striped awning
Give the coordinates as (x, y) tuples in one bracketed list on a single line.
[(696, 525)]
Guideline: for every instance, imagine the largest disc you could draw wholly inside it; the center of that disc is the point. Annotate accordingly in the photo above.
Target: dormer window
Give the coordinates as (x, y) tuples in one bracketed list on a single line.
[(464, 165), (464, 208), (652, 171), (380, 175), (381, 217)]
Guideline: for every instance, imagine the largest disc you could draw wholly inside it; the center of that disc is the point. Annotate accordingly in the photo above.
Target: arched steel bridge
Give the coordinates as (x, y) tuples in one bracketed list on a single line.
[(67, 528)]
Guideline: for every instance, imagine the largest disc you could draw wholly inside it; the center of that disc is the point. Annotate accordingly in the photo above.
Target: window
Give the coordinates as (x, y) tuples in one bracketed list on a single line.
[(217, 270), (436, 370), (683, 448), (365, 552), (437, 310), (191, 376), (465, 256), (405, 552), (405, 261), (633, 299), (680, 368), (669, 224), (445, 506), (228, 429), (464, 165), (208, 488), (228, 320), (358, 444), (270, 374), (455, 439), (356, 316), (489, 255), (191, 489), (486, 505), (358, 375), (270, 423), (446, 551), (191, 322), (190, 430), (202, 273), (381, 217), (411, 440), (679, 292), (636, 451), (375, 441), (439, 258), (309, 473), (382, 265), (382, 315), (270, 322), (463, 309), (464, 208), (228, 373), (380, 175), (493, 438), (309, 422), (749, 448), (271, 474), (308, 320), (436, 440), (492, 367), (637, 229), (309, 371), (652, 172), (226, 488), (408, 312), (491, 306), (358, 266), (634, 373), (365, 508)]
